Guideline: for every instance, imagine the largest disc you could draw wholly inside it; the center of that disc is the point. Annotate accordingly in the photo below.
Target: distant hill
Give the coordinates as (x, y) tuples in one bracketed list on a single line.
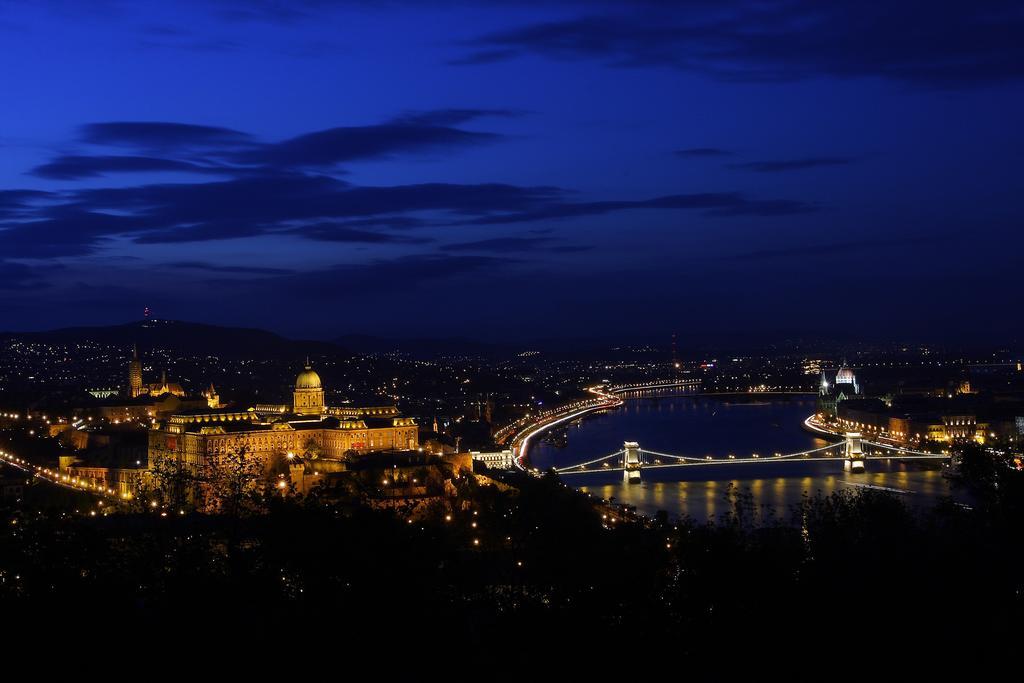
[(422, 348), (191, 338), (241, 342), (460, 346)]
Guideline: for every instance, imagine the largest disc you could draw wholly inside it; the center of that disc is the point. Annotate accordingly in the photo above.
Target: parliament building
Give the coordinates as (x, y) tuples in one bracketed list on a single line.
[(308, 428)]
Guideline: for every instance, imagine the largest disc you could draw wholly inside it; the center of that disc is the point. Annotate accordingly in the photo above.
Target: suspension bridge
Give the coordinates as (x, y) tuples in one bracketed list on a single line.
[(853, 451)]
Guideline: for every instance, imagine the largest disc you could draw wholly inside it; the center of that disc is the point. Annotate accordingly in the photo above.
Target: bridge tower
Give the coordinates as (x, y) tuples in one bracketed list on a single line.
[(854, 453), (631, 462)]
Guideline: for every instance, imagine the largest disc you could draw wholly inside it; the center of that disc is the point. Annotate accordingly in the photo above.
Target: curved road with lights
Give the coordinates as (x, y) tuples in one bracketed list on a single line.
[(604, 398)]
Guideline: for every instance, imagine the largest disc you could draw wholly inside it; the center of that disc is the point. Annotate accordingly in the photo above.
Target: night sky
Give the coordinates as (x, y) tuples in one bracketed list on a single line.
[(515, 170)]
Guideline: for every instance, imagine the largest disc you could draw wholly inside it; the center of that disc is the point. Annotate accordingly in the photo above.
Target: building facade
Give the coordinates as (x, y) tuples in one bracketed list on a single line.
[(137, 388), (835, 387), (308, 429), (308, 397), (502, 460)]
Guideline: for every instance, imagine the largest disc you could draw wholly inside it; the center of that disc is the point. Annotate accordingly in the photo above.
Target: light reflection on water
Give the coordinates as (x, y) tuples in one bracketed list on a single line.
[(775, 495), (690, 425)]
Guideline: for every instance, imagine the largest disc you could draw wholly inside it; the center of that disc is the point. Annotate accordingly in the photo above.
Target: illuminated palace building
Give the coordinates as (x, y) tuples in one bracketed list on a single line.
[(306, 428)]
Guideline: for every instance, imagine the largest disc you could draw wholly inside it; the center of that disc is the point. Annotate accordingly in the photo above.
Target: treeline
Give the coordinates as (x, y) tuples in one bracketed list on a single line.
[(542, 568)]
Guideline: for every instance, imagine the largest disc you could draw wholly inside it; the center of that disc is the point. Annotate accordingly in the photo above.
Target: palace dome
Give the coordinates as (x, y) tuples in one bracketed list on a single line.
[(308, 379), (845, 376)]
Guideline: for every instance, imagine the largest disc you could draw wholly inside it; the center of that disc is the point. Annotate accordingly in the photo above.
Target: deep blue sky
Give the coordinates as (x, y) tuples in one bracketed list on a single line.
[(514, 169)]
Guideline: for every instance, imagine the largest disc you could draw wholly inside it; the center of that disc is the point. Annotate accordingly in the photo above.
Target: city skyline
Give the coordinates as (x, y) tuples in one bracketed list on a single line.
[(513, 171), (504, 331)]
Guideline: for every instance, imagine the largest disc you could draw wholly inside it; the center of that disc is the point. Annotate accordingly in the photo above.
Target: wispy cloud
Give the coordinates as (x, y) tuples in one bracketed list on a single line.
[(791, 164), (935, 44), (280, 188), (695, 152)]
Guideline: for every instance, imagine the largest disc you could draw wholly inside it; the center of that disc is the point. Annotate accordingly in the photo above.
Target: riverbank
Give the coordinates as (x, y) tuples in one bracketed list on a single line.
[(526, 429), (700, 425), (613, 397)]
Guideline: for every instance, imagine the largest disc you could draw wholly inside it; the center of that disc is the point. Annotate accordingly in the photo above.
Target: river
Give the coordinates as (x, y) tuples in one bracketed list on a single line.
[(674, 422)]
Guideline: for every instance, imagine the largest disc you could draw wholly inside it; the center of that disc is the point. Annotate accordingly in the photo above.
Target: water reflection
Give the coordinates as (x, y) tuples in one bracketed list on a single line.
[(773, 496), (696, 425)]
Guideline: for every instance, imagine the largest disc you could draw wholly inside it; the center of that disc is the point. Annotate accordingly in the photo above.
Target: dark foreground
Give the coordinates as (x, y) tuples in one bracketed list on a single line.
[(543, 570)]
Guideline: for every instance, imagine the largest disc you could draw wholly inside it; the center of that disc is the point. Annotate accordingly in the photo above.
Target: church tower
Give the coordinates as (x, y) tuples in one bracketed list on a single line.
[(212, 399), (135, 375), (309, 393)]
